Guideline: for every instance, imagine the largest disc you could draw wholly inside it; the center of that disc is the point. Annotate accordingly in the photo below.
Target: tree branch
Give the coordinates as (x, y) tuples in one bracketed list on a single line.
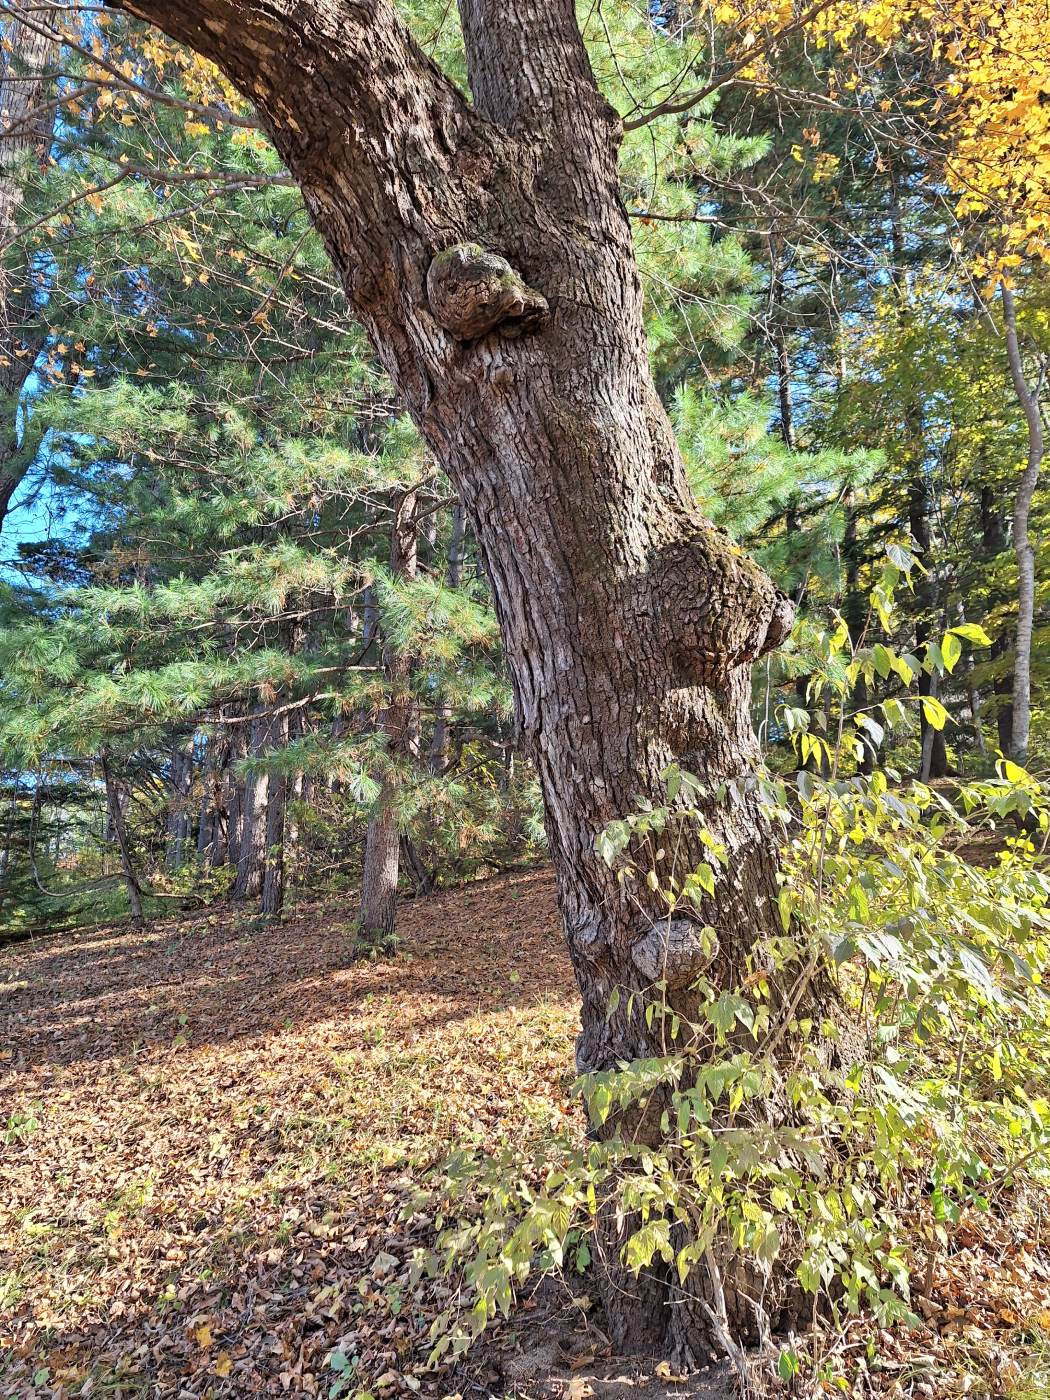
[(692, 99)]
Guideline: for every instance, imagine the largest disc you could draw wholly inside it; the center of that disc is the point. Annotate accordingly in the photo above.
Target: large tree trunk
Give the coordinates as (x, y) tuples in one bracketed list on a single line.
[(26, 121), (1024, 552), (399, 722), (629, 622)]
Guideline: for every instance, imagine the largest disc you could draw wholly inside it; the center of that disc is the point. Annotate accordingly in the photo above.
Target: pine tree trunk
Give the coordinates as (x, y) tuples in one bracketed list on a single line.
[(486, 251), (1024, 551), (25, 131), (233, 797), (277, 792), (119, 830), (178, 824), (207, 812), (251, 850), (377, 914), (438, 756)]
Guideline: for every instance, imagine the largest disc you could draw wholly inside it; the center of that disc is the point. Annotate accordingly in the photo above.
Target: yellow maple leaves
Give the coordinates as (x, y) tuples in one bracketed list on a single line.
[(981, 85), (1000, 161)]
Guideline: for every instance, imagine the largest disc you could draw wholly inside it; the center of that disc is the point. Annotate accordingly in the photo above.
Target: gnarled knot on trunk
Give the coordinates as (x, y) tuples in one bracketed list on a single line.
[(716, 608), (472, 291), (674, 951)]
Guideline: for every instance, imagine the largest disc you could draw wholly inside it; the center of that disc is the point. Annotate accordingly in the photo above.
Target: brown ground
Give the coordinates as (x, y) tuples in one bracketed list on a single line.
[(208, 1129)]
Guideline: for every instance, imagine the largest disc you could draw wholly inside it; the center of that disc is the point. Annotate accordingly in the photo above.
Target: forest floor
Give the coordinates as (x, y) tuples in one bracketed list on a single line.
[(210, 1127)]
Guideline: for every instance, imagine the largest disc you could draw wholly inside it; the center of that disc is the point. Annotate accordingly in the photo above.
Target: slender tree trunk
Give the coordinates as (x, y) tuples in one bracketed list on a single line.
[(972, 694), (178, 823), (25, 133), (856, 614), (993, 543), (933, 761), (438, 756), (277, 792), (251, 851), (116, 819), (487, 253), (233, 797), (780, 348), (298, 787), (378, 912), (207, 814), (1024, 551)]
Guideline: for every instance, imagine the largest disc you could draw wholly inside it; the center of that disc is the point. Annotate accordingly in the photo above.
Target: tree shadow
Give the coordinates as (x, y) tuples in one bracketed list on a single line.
[(217, 1123), (225, 976)]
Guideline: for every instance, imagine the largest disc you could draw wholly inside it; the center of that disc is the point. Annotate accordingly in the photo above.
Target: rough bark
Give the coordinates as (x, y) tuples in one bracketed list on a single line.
[(629, 622), (26, 122), (1024, 552), (377, 914)]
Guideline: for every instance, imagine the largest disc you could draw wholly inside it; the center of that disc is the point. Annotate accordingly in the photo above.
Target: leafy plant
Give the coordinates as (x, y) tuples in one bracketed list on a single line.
[(923, 917)]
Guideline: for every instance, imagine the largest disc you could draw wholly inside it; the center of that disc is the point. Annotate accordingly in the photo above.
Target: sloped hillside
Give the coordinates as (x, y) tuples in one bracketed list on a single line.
[(210, 1128)]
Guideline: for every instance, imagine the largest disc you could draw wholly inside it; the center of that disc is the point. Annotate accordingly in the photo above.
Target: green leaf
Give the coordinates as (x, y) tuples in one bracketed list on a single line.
[(788, 1365), (883, 660)]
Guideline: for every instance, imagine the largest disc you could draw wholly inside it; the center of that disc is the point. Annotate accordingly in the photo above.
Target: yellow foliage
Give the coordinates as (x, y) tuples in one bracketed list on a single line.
[(991, 116)]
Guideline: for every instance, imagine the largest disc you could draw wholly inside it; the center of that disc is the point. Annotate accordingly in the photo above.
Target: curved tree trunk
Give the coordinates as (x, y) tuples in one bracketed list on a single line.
[(486, 251)]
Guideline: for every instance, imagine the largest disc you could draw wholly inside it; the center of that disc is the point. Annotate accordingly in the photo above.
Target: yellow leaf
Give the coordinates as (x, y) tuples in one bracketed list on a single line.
[(223, 1364), (203, 1335)]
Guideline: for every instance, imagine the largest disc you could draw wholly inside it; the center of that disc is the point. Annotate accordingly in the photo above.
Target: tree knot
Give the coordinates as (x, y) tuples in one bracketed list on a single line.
[(674, 951), (717, 608), (472, 291)]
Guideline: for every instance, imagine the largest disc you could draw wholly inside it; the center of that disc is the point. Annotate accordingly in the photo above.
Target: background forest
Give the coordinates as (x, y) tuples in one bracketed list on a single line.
[(247, 645), (250, 666)]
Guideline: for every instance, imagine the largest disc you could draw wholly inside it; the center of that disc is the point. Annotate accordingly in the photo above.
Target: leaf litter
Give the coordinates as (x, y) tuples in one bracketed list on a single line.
[(210, 1128)]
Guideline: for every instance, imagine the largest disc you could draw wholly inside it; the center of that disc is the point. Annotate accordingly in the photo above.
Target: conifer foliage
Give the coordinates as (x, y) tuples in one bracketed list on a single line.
[(611, 440)]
